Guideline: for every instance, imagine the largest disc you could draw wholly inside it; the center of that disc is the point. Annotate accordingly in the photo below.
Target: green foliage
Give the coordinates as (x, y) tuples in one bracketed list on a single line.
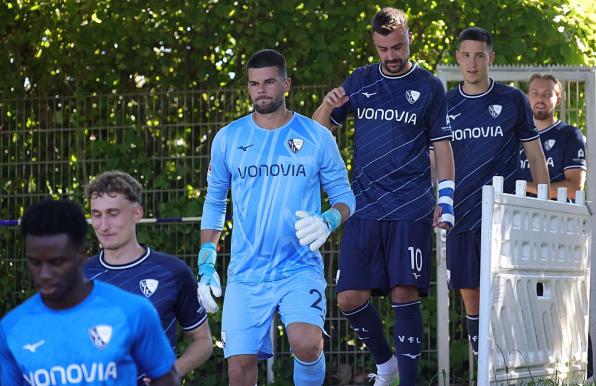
[(100, 46), (88, 86)]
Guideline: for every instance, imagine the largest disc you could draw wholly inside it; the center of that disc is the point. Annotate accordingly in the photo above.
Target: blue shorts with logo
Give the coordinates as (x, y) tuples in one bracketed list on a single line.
[(249, 307), (379, 255), (463, 259)]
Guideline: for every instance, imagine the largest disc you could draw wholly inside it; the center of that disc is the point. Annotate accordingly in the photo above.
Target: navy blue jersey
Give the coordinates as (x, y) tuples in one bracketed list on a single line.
[(163, 279), (104, 340), (396, 119), (487, 130), (564, 148)]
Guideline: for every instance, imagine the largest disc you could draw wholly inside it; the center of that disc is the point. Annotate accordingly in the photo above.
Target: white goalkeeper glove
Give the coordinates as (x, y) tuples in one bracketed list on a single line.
[(313, 229), (208, 277)]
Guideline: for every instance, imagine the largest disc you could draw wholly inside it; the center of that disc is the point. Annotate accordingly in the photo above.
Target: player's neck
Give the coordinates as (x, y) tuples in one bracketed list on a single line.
[(476, 88), (125, 254), (74, 296), (273, 120), (542, 124)]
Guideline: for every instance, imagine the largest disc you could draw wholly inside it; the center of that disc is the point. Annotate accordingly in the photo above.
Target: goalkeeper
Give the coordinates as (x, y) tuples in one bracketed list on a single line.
[(275, 161)]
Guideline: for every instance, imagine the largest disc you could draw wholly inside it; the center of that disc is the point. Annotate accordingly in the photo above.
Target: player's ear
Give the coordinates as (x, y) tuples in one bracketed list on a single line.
[(287, 84), (491, 57), (138, 213)]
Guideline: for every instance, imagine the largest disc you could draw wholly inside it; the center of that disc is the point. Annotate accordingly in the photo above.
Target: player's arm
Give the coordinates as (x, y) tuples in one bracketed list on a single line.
[(170, 379), (537, 162), (197, 352), (442, 158), (212, 222), (313, 229), (334, 98), (575, 179), (10, 374), (151, 350)]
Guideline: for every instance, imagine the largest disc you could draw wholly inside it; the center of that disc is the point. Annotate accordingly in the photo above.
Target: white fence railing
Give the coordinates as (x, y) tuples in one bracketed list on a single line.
[(535, 281)]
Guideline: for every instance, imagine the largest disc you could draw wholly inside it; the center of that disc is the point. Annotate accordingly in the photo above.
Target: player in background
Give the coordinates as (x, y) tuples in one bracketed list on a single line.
[(564, 145), (399, 111), (115, 199), (489, 121), (275, 162), (74, 331)]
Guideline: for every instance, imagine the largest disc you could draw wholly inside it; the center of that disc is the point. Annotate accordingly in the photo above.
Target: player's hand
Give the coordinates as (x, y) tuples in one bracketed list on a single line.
[(336, 97), (444, 217), (313, 229), (208, 277)]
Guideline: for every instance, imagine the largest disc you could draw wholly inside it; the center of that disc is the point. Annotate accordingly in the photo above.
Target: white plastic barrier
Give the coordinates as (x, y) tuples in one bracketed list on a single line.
[(534, 286)]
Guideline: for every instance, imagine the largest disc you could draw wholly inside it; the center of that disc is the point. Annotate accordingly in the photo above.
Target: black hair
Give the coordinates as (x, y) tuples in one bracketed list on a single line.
[(478, 34), (53, 217), (268, 58)]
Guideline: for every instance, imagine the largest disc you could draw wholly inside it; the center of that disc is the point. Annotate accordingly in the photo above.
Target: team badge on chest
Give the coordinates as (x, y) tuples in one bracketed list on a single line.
[(549, 144), (295, 144), (412, 96), (148, 286), (100, 335), (495, 110)]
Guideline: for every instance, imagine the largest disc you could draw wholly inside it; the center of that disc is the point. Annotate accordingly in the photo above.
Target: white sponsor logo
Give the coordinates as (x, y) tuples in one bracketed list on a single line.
[(454, 116), (33, 346), (525, 164), (411, 356), (412, 96), (369, 94), (386, 115), (411, 339), (495, 110), (100, 335), (295, 144), (477, 132), (549, 144), (581, 154), (148, 286), (73, 374)]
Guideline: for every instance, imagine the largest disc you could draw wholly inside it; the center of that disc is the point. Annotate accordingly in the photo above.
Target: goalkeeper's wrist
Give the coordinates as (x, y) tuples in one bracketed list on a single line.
[(332, 218), (209, 245)]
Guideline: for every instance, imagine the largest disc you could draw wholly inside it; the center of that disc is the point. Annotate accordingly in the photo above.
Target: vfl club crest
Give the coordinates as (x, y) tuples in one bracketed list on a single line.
[(495, 110), (412, 96), (148, 286), (100, 335), (295, 144), (549, 144)]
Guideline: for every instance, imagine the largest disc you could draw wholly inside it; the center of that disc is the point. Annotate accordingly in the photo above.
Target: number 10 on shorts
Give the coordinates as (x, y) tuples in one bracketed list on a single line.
[(415, 258)]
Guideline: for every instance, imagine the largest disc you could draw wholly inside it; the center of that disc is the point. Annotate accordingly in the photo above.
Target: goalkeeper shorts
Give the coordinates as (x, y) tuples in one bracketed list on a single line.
[(249, 307)]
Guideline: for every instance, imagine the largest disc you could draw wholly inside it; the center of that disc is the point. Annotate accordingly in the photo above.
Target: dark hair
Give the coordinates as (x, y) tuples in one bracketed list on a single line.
[(54, 217), (388, 20), (478, 34), (268, 58), (114, 182)]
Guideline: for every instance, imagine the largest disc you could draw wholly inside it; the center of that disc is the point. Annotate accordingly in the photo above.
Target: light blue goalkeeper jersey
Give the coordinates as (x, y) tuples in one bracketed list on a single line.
[(272, 174), (100, 341)]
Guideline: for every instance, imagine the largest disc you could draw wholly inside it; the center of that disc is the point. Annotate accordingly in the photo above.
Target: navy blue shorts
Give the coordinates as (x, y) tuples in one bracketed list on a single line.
[(379, 255), (463, 259)]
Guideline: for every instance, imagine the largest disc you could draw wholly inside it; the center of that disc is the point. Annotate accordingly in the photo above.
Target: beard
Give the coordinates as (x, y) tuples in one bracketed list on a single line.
[(542, 114), (400, 67), (270, 107)]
